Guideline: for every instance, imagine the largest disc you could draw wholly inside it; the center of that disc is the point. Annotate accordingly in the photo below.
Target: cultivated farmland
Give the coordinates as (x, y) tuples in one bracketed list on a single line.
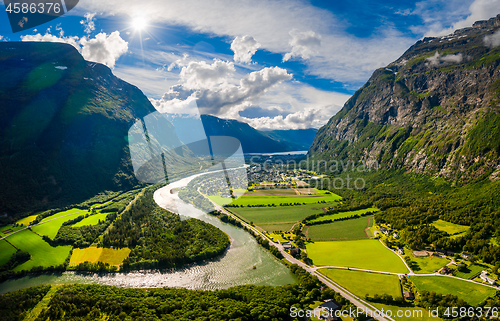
[(349, 229), (363, 254), (42, 254), (362, 283), (6, 251), (92, 220), (98, 254)]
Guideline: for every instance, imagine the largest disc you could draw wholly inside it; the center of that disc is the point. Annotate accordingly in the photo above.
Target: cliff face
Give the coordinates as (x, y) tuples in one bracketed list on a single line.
[(435, 110), (63, 127)]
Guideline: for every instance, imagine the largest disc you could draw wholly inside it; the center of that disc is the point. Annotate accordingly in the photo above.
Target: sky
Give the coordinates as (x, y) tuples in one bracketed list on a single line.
[(281, 64)]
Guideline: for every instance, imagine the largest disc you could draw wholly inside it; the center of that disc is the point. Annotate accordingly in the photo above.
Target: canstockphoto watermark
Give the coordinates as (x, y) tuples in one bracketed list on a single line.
[(354, 313)]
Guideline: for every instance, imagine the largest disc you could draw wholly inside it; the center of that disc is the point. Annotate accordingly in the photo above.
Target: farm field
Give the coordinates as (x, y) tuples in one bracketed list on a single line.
[(276, 200), (473, 269), (344, 214), (449, 228), (288, 215), (6, 251), (413, 313), (92, 220), (276, 227), (428, 264), (27, 220), (220, 200), (362, 283), (362, 254), (341, 230), (52, 227), (471, 293), (95, 254), (42, 254)]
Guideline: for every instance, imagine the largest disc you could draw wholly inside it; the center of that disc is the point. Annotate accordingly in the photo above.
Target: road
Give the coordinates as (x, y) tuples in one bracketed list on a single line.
[(370, 309)]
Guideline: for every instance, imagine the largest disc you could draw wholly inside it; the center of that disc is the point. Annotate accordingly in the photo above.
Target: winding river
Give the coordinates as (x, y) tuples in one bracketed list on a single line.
[(235, 267)]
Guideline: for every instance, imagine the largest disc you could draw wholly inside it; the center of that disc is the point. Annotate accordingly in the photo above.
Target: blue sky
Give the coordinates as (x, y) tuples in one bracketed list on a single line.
[(274, 64)]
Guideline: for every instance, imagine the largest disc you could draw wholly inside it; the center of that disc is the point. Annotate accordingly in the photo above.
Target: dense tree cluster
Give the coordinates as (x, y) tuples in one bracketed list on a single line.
[(14, 306), (159, 238)]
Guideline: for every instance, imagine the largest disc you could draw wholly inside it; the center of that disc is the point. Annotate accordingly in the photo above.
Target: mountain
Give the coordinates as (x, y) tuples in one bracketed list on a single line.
[(435, 110), (64, 123), (252, 140)]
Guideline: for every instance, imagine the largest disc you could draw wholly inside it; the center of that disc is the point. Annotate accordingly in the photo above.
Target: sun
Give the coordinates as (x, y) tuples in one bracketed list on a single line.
[(139, 23)]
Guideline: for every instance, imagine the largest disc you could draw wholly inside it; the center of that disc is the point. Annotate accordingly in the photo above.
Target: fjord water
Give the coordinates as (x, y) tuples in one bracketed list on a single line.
[(235, 267)]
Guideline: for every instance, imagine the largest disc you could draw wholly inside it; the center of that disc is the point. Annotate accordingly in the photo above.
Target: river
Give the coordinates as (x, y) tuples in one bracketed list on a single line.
[(235, 267)]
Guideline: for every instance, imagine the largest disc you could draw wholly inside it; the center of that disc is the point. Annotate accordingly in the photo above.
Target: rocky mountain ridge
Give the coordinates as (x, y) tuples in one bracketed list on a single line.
[(435, 110)]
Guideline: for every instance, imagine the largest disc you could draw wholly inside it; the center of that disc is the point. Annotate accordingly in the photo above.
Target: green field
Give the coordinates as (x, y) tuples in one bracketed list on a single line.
[(42, 254), (54, 222), (94, 254), (473, 270), (7, 230), (428, 264), (363, 254), (6, 251), (277, 200), (470, 292), (276, 227), (350, 229), (27, 220), (283, 215), (450, 228), (92, 220), (362, 283), (344, 214), (271, 192), (220, 200)]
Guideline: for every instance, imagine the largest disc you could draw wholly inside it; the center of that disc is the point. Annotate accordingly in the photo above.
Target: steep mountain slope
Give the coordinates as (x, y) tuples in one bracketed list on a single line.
[(435, 110), (63, 124), (252, 140)]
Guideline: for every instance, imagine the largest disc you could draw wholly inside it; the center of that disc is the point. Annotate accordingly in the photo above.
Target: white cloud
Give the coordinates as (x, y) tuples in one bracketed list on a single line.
[(200, 75), (89, 22), (304, 44), (341, 56), (213, 94), (492, 40), (1, 37), (102, 49), (244, 48), (444, 17), (437, 59)]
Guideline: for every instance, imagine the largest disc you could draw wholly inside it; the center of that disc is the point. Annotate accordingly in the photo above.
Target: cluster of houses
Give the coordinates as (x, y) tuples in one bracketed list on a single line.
[(388, 232), (294, 251)]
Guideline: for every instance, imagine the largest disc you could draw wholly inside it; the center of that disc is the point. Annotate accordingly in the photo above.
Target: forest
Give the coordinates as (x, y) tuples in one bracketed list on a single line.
[(246, 302), (159, 238)]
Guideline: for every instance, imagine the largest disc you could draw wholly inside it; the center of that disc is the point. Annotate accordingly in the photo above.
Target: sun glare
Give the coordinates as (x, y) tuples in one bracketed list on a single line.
[(139, 23)]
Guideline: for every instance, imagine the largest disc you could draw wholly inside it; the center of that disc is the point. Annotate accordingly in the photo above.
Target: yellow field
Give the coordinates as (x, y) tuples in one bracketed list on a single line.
[(27, 220), (98, 254)]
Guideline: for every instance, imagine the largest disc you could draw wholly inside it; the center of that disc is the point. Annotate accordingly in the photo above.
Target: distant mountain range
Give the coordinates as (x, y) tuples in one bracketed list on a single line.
[(435, 110), (64, 128), (252, 140)]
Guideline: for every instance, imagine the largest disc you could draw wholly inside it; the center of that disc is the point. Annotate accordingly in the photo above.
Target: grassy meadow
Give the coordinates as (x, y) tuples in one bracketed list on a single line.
[(42, 254), (470, 292), (350, 229), (362, 283), (6, 251), (428, 264), (344, 214), (27, 220), (362, 254), (91, 220), (53, 223), (450, 228)]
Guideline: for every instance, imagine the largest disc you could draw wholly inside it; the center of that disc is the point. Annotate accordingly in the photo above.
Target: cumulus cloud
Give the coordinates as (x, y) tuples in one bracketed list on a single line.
[(492, 40), (304, 44), (244, 48), (200, 75), (105, 49), (89, 22), (1, 37), (213, 94), (437, 59)]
